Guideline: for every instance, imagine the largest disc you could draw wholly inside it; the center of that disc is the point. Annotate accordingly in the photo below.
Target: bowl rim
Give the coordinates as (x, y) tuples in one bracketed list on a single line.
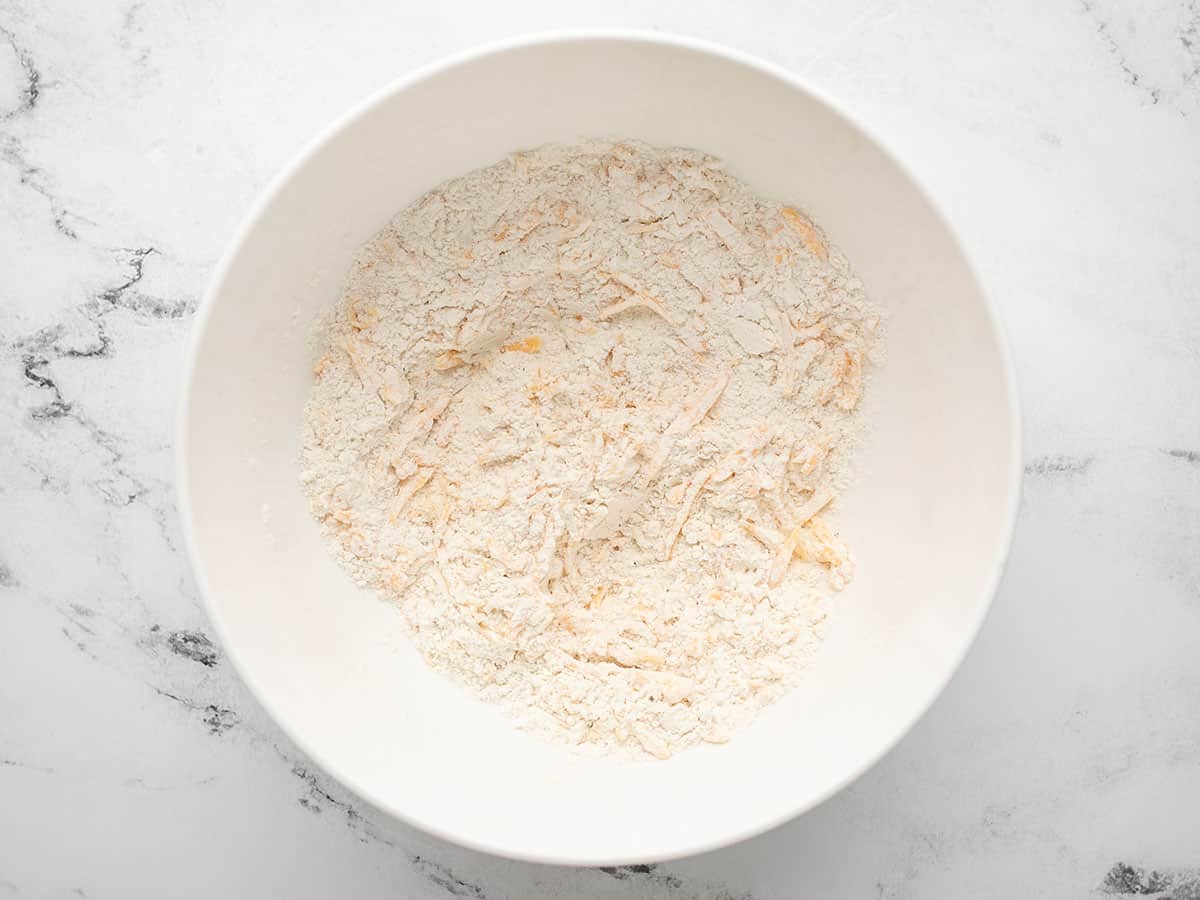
[(267, 196)]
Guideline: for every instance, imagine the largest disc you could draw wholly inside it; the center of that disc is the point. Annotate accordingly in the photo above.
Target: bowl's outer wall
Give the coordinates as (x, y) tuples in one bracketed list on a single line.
[(929, 518)]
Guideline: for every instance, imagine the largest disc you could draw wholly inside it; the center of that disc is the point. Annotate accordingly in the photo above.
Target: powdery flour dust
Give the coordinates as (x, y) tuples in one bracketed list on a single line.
[(582, 416)]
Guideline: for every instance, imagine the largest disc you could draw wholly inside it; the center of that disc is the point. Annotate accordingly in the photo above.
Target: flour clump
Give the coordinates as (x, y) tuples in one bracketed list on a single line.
[(584, 416)]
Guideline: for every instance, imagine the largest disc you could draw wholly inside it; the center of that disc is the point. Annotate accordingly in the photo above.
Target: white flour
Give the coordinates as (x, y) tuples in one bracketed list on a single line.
[(581, 417)]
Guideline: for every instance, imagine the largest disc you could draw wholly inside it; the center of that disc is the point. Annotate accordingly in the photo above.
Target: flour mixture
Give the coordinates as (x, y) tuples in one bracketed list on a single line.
[(583, 417)]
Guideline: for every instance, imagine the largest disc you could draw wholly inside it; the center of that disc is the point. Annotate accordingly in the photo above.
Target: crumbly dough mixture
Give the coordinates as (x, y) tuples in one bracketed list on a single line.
[(582, 416)]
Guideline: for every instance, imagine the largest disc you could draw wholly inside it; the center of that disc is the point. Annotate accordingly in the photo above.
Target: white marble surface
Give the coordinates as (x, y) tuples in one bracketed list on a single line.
[(1064, 137)]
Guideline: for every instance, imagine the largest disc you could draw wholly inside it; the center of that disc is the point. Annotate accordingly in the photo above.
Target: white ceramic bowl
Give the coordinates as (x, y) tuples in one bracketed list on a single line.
[(929, 520)]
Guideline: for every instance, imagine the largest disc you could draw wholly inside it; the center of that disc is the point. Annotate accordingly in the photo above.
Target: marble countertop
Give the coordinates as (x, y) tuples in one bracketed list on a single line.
[(1063, 760)]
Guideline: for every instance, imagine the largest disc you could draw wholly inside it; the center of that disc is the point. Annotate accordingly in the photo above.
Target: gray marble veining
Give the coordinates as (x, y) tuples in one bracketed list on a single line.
[(1062, 761)]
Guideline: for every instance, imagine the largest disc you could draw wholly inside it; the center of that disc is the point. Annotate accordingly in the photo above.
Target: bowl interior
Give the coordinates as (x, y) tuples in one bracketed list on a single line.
[(929, 518)]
